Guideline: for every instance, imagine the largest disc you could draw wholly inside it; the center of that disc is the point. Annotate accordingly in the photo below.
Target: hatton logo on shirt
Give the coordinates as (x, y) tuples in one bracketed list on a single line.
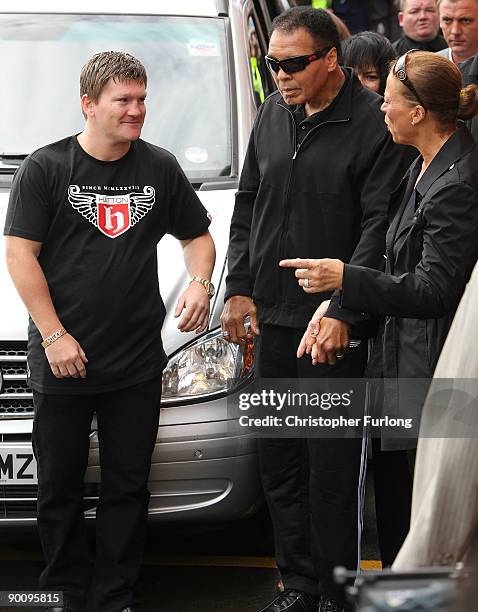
[(112, 214)]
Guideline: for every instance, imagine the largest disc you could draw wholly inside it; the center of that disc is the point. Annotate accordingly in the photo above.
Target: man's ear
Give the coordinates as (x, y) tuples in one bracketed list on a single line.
[(400, 19), (87, 106), (332, 59)]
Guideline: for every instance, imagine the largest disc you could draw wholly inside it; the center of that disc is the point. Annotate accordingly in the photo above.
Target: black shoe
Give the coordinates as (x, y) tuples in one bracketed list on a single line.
[(292, 601), (329, 605), (59, 609)]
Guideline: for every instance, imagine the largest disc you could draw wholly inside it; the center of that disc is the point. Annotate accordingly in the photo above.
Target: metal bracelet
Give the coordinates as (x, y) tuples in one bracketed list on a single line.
[(53, 338)]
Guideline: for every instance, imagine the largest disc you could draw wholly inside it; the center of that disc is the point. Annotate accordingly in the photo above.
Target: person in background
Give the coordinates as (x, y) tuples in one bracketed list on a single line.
[(459, 24), (369, 54), (431, 250), (420, 25)]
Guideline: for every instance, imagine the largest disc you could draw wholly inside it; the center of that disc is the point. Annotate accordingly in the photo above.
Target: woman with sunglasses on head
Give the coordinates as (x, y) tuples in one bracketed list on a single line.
[(369, 55), (431, 247)]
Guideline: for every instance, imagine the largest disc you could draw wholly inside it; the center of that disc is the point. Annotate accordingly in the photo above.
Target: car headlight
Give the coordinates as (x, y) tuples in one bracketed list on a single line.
[(208, 366)]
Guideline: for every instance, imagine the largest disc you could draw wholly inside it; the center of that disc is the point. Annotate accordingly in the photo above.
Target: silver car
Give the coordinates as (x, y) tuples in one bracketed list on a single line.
[(206, 72)]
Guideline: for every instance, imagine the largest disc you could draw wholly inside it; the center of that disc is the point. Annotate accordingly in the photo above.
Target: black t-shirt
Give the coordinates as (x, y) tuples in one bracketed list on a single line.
[(99, 223)]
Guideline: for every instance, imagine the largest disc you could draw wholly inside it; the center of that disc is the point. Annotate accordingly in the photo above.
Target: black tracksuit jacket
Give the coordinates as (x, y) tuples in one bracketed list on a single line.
[(327, 197)]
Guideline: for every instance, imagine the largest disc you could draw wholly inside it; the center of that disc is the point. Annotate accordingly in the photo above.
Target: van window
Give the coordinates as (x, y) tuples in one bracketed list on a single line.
[(188, 104)]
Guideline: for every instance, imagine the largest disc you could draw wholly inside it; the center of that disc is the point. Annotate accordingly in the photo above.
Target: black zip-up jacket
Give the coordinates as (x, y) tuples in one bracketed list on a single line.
[(432, 247), (327, 197)]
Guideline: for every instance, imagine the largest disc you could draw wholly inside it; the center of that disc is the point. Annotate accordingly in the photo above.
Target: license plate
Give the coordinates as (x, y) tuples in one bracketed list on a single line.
[(17, 465)]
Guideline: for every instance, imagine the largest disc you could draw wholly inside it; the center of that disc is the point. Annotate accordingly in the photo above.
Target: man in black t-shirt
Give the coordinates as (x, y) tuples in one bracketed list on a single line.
[(83, 223)]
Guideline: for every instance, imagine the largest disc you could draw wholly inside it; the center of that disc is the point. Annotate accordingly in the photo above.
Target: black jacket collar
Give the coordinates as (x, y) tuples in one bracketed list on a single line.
[(458, 145), (342, 111)]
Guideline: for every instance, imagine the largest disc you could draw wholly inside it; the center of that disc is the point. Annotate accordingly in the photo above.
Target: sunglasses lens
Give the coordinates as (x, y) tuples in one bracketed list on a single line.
[(273, 65), (293, 65)]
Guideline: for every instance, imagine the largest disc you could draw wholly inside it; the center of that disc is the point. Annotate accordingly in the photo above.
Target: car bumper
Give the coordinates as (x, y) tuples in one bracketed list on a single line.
[(204, 470)]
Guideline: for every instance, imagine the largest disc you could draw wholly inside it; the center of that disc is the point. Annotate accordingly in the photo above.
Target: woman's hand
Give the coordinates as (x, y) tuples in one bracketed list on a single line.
[(317, 275), (310, 335)]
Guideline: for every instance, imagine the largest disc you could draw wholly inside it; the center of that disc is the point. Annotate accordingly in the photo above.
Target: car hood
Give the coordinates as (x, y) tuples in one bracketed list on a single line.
[(173, 279)]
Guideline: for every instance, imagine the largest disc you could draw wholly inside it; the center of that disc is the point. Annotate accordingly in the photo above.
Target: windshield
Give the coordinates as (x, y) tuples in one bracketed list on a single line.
[(188, 109)]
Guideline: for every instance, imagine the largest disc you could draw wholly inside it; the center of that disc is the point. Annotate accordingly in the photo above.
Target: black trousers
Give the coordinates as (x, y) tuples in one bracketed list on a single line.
[(127, 428), (310, 485)]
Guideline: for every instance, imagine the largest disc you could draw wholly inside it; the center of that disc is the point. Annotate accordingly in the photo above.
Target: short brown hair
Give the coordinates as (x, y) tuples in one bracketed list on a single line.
[(107, 65), (438, 83)]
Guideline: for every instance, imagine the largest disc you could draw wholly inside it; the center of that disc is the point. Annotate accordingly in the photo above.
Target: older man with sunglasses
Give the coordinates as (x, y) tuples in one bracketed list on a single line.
[(316, 181)]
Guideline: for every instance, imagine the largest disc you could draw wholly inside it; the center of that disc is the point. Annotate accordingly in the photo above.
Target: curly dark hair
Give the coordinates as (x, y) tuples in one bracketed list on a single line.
[(317, 22)]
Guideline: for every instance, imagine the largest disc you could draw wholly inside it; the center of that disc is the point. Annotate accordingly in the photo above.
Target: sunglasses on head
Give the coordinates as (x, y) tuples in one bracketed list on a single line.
[(295, 64), (400, 72)]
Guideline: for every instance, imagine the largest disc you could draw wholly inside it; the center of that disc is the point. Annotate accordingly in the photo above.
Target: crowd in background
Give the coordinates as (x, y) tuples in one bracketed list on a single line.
[(448, 26)]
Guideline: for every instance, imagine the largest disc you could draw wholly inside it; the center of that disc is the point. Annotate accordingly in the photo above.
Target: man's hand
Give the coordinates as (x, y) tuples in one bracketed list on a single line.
[(317, 275), (236, 309), (66, 358), (310, 335), (332, 341), (195, 303)]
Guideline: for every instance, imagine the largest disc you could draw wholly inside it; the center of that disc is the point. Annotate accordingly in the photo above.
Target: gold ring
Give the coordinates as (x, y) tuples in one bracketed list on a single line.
[(307, 283)]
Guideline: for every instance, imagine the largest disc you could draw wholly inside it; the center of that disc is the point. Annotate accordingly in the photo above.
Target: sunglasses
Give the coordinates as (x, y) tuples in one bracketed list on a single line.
[(294, 64), (401, 74)]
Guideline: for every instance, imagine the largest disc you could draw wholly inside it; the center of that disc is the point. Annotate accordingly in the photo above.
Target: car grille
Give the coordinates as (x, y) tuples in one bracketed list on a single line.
[(16, 399), (20, 501)]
